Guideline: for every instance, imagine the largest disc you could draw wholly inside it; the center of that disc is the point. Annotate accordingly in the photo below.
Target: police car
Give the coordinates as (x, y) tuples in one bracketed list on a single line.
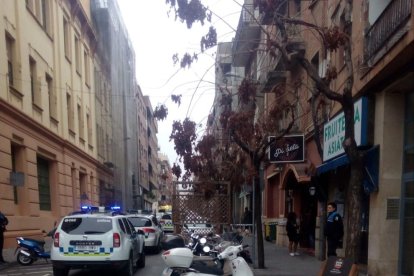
[(166, 223), (97, 238)]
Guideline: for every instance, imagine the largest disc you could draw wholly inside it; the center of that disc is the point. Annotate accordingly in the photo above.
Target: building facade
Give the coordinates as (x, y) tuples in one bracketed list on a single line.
[(69, 113), (382, 55)]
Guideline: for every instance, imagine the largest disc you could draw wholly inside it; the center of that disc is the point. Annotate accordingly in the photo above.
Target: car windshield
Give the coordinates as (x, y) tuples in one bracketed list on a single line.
[(140, 221), (166, 217), (85, 225)]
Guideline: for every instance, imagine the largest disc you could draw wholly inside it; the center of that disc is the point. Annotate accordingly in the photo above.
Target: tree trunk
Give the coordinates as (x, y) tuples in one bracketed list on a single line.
[(354, 210), (258, 221)]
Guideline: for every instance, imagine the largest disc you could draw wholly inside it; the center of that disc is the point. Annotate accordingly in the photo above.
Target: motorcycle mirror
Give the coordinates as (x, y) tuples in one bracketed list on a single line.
[(206, 249), (203, 240)]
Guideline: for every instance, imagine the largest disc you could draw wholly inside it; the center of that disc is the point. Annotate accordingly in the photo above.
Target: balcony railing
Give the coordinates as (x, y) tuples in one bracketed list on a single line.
[(391, 19), (247, 35)]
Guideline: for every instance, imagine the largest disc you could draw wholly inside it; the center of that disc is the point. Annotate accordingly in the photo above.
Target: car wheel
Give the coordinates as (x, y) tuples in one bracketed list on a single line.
[(141, 260), (23, 259), (59, 271), (128, 269)]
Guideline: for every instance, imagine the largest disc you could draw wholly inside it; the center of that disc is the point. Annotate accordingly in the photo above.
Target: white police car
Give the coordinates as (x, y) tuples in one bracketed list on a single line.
[(97, 239)]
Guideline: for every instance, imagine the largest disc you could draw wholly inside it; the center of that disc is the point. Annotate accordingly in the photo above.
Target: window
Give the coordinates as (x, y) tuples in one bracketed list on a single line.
[(34, 84), (69, 108), (80, 123), (89, 127), (43, 178), (83, 225), (66, 38), (40, 9), (10, 48), (77, 55), (14, 157), (87, 68), (52, 97), (127, 227)]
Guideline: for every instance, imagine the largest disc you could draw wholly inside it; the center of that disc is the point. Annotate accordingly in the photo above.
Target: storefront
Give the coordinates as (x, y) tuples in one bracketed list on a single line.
[(332, 178)]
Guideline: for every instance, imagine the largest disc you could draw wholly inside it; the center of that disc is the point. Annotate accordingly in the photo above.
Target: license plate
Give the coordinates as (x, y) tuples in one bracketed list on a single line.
[(86, 248)]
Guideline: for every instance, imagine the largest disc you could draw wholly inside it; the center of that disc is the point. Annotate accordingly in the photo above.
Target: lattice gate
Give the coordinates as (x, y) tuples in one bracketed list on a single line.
[(192, 204)]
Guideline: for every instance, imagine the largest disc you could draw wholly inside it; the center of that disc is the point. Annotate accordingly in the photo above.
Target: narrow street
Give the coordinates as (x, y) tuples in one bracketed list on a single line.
[(154, 266)]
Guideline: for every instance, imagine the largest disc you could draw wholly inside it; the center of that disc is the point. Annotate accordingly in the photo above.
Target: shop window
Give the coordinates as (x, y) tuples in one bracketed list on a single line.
[(43, 177), (16, 165), (407, 205)]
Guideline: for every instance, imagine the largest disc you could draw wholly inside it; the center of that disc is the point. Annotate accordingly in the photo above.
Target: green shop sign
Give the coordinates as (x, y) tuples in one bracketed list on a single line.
[(334, 130)]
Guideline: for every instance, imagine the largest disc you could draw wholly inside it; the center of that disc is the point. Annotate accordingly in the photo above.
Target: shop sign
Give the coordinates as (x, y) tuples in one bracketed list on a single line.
[(288, 149), (334, 130)]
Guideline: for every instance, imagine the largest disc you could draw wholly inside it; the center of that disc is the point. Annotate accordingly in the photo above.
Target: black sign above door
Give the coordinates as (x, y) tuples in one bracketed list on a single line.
[(288, 149)]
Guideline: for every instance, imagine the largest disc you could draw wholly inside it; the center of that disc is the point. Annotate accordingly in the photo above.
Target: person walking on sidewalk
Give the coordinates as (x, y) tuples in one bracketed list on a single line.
[(3, 222), (292, 229), (334, 229), (247, 218)]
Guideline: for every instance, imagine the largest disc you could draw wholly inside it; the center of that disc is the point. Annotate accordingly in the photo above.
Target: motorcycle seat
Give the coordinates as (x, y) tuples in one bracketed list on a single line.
[(204, 267), (37, 241)]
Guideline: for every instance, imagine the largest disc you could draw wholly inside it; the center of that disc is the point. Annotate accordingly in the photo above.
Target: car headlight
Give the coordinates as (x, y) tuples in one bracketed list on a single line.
[(203, 240)]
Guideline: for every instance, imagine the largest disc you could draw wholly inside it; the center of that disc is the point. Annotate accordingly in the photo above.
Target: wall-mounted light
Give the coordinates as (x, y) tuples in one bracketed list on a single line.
[(312, 190)]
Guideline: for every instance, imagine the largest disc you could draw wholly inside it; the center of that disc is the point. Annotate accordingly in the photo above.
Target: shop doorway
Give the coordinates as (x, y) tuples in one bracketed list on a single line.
[(308, 214)]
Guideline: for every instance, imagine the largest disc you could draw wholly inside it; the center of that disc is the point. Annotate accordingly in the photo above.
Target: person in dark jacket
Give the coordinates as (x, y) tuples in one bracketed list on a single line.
[(3, 222), (292, 230), (334, 229), (247, 218)]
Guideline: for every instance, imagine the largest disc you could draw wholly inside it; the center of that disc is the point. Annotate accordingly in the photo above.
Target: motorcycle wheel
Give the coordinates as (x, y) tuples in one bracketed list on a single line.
[(23, 259)]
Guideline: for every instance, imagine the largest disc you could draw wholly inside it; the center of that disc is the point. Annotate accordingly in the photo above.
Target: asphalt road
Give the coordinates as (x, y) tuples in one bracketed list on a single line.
[(154, 266)]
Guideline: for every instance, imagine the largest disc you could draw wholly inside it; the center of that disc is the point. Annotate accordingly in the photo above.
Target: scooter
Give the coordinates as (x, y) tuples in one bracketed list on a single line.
[(180, 262), (30, 250)]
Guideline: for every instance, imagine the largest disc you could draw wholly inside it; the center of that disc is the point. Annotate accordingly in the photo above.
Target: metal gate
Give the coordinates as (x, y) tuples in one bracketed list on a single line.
[(200, 202)]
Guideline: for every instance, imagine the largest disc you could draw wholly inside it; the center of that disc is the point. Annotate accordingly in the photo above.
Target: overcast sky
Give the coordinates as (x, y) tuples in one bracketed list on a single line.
[(156, 38)]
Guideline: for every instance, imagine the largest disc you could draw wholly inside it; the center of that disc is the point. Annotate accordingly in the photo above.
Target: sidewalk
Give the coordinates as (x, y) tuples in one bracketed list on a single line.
[(9, 257), (279, 262)]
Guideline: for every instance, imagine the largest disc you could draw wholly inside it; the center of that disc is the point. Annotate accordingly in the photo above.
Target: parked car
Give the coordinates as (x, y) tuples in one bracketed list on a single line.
[(94, 240), (151, 228), (166, 223)]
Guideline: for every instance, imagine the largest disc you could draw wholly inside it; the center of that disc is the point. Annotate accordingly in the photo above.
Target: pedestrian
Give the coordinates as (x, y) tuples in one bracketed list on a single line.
[(292, 230), (247, 218), (334, 229), (3, 222)]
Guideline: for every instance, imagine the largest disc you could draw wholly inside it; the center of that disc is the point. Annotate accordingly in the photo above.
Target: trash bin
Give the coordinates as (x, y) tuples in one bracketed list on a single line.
[(272, 231)]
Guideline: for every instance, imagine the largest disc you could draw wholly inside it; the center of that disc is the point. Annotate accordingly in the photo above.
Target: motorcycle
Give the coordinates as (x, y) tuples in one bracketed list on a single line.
[(180, 261), (30, 250)]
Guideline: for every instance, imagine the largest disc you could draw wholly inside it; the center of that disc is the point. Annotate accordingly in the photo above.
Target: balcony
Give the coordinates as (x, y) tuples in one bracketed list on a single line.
[(273, 78), (247, 36), (387, 30), (268, 9)]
